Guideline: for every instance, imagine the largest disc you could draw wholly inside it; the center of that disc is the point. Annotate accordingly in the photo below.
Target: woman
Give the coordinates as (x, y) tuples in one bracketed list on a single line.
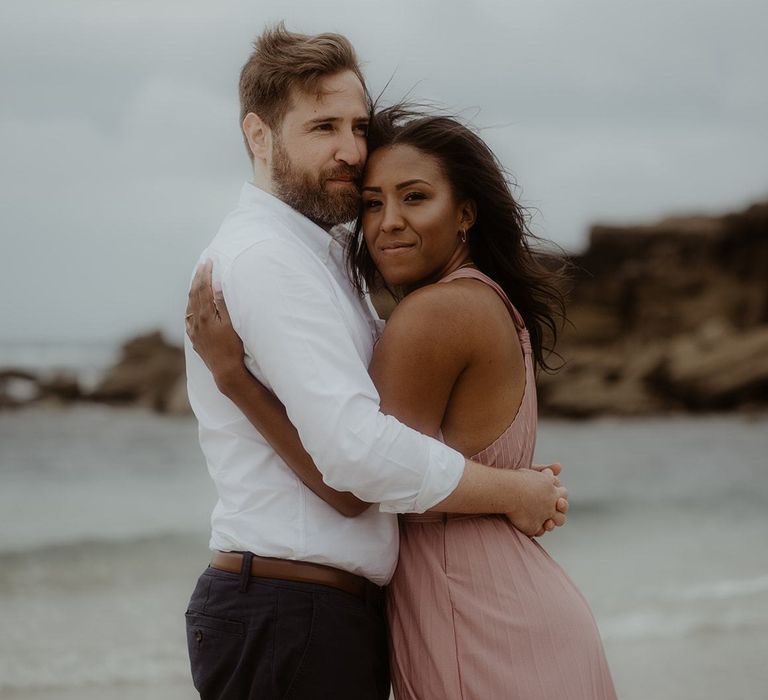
[(476, 608)]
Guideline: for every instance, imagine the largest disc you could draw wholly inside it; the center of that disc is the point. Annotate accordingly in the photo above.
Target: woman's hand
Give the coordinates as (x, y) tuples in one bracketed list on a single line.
[(562, 503), (210, 330), (537, 496)]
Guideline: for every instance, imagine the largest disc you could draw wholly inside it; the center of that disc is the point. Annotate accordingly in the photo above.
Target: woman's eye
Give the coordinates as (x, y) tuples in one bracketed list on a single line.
[(362, 129), (371, 203), (414, 196)]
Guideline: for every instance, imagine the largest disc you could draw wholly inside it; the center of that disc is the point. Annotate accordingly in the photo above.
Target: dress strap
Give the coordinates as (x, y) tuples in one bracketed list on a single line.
[(475, 274)]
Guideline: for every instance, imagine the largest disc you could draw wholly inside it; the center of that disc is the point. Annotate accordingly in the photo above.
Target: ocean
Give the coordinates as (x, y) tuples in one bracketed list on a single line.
[(103, 531)]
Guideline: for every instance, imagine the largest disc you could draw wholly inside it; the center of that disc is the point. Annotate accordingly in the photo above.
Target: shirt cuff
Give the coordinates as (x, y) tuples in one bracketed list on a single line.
[(446, 467)]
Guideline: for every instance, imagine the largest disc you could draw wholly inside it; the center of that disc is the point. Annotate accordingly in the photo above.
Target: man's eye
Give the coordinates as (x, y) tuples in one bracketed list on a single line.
[(324, 127), (362, 129)]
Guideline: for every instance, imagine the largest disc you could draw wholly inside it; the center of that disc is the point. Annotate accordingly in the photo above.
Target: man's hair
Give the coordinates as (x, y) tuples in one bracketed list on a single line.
[(282, 61)]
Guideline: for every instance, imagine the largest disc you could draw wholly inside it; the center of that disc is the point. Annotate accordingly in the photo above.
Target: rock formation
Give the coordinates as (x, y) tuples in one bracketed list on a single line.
[(17, 387), (149, 372), (667, 317)]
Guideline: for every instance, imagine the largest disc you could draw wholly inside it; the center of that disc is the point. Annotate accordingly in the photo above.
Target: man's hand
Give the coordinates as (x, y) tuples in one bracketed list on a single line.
[(542, 503)]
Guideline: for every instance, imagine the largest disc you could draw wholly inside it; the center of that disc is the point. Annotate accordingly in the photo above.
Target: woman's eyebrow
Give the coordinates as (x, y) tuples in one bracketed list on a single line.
[(408, 183), (400, 186)]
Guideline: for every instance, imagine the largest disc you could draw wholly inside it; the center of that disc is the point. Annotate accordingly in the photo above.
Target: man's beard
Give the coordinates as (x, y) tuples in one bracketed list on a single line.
[(307, 194)]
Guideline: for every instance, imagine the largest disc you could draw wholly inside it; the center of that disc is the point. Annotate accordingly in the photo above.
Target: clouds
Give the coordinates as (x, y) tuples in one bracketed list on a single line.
[(121, 152)]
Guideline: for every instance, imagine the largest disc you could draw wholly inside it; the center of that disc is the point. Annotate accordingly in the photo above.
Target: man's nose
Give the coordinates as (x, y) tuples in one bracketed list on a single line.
[(350, 150)]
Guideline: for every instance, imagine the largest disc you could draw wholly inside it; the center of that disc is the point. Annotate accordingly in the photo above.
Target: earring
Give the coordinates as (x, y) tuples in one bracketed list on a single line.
[(463, 235)]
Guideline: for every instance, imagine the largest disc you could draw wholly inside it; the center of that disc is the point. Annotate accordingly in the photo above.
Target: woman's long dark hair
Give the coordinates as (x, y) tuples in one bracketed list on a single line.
[(499, 241)]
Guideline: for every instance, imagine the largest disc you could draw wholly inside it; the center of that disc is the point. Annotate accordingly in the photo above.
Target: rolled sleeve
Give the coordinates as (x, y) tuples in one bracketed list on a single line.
[(440, 479), (298, 335)]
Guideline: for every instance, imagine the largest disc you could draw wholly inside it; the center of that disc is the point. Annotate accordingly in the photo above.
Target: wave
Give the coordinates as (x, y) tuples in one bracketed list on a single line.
[(106, 543), (76, 669), (711, 608), (664, 624), (722, 590)]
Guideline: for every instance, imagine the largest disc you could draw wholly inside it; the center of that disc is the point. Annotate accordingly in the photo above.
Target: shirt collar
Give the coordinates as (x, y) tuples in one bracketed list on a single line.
[(318, 239)]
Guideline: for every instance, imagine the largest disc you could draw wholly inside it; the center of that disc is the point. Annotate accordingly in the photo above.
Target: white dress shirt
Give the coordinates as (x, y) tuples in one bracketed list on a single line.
[(308, 338)]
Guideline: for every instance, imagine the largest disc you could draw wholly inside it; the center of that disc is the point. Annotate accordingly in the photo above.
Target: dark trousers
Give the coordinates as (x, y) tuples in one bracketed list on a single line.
[(255, 638)]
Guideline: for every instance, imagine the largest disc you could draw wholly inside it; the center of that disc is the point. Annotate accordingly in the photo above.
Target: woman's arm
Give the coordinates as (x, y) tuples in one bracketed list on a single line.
[(214, 339), (265, 412), (427, 344), (418, 359)]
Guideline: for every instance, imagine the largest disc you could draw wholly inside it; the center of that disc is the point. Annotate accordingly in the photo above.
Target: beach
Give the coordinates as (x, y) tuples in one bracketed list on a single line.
[(103, 531)]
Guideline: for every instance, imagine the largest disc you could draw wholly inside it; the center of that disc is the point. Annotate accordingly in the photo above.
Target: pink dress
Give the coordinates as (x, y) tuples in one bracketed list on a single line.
[(479, 611)]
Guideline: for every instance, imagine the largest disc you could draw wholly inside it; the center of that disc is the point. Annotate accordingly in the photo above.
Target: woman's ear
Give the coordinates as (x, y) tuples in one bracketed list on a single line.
[(258, 135), (468, 211)]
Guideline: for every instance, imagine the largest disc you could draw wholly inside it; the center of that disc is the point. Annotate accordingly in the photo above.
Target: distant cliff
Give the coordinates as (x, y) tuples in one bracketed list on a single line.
[(672, 316)]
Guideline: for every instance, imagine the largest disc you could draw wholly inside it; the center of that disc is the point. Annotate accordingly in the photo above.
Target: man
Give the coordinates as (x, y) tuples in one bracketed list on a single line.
[(291, 605)]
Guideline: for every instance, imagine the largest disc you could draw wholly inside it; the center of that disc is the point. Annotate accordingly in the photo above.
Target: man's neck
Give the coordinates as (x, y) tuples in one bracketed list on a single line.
[(262, 180)]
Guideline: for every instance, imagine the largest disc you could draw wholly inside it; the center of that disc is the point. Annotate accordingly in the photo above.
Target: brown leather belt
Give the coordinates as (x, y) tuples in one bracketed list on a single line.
[(289, 570)]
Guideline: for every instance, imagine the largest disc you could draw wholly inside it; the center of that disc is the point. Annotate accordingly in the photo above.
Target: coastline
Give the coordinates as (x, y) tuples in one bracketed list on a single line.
[(664, 535)]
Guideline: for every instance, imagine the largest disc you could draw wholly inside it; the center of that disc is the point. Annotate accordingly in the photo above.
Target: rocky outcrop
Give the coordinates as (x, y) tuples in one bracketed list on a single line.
[(672, 316), (149, 372), (667, 317), (594, 382), (716, 370), (177, 401), (18, 387), (61, 386)]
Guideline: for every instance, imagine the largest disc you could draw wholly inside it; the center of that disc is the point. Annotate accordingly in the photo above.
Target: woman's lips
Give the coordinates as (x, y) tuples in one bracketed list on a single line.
[(396, 248)]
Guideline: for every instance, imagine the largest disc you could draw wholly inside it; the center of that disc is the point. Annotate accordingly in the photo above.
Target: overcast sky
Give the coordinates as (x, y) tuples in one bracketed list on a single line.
[(120, 151)]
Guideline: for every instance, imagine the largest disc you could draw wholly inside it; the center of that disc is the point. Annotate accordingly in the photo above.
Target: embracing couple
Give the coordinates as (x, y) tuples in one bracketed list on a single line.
[(348, 455)]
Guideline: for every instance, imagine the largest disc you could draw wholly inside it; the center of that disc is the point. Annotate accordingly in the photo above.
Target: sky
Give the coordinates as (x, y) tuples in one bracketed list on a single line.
[(120, 149)]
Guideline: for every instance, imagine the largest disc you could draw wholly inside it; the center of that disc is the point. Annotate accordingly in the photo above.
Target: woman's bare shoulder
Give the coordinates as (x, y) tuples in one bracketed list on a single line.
[(446, 308), (429, 324), (453, 319), (436, 303)]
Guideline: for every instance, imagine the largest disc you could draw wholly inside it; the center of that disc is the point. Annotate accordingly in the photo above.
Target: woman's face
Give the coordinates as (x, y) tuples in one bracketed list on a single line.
[(411, 220)]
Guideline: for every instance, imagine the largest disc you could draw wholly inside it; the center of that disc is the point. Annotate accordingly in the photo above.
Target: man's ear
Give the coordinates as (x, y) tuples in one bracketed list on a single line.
[(258, 135)]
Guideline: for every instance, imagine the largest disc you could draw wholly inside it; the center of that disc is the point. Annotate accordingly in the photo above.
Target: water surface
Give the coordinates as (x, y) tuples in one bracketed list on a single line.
[(103, 530)]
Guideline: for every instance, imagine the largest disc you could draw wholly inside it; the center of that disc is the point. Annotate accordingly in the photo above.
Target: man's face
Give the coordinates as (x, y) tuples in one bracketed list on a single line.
[(319, 151)]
